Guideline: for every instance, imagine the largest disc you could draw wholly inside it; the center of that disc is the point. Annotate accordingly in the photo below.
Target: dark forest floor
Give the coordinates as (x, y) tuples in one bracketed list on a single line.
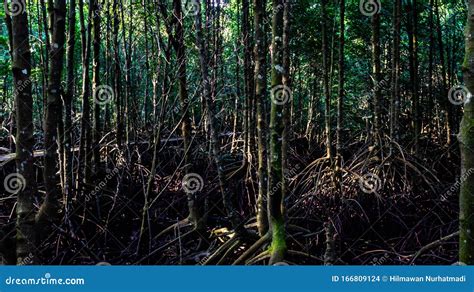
[(407, 207)]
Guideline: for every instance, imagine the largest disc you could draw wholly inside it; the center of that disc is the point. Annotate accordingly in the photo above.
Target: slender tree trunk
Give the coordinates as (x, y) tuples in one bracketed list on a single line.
[(67, 100), (260, 96), (340, 99), (394, 98), (48, 212), (127, 49), (248, 81), (430, 66), (287, 122), (312, 107), (147, 66), (326, 85), (411, 11), (117, 78), (95, 85), (466, 141), (83, 172), (47, 43), (237, 86), (108, 69), (183, 97), (25, 178), (275, 175), (444, 88), (376, 76)]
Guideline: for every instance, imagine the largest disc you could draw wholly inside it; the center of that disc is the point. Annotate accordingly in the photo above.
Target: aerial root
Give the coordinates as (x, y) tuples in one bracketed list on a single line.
[(252, 249), (431, 245), (304, 255), (221, 250), (228, 252), (180, 224), (260, 257)]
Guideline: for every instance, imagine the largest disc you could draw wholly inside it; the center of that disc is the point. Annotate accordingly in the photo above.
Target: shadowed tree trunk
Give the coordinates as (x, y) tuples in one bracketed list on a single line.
[(83, 171), (67, 100), (117, 77), (260, 95), (394, 98), (248, 81), (184, 101), (412, 30), (430, 107), (48, 212), (376, 76), (340, 98), (21, 68), (95, 85), (466, 140), (444, 88), (326, 85), (147, 66)]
